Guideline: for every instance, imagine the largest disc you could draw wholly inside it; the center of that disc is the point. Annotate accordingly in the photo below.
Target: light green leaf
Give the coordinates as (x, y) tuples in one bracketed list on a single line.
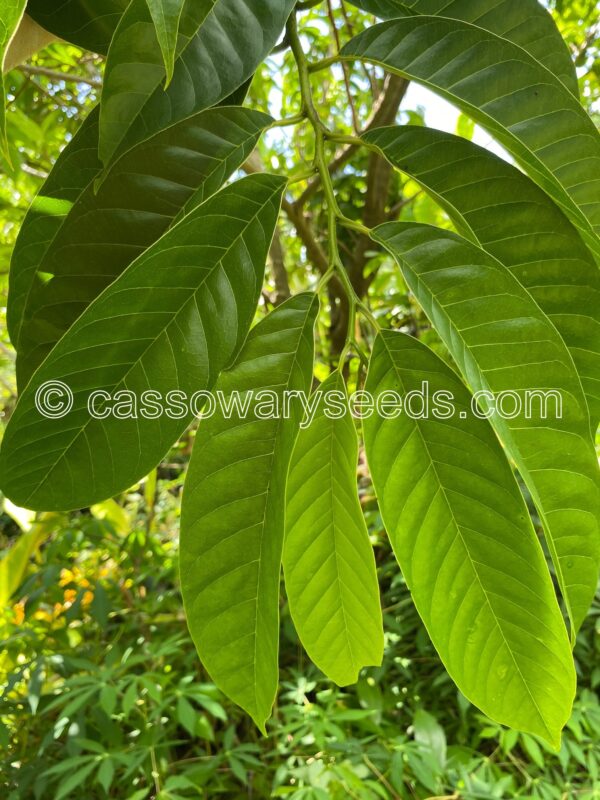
[(525, 23), (166, 15), (502, 343), (220, 45), (523, 104), (463, 538), (233, 509), (328, 561), (74, 242), (171, 322), (14, 561), (87, 23), (522, 228), (106, 773), (10, 19)]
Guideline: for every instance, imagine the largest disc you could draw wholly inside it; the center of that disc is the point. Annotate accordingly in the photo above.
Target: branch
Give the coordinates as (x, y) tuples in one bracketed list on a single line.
[(32, 69), (384, 113), (280, 278)]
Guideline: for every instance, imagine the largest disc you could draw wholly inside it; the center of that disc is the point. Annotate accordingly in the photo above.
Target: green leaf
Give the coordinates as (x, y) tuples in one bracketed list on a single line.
[(233, 509), (461, 533), (14, 561), (12, 14), (166, 15), (74, 781), (220, 44), (525, 23), (522, 228), (87, 23), (328, 561), (74, 242), (429, 732), (521, 103), (106, 773), (108, 699), (502, 343), (171, 322), (186, 715)]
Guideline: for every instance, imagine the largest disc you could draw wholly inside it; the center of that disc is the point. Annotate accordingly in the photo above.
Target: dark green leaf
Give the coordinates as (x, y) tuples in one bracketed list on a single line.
[(525, 23), (87, 23), (508, 92), (462, 535), (234, 506), (75, 242), (220, 45), (522, 228), (171, 322), (166, 15)]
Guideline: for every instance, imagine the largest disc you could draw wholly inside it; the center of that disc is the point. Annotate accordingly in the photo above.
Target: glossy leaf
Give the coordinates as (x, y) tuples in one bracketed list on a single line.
[(233, 510), (328, 561), (171, 322), (463, 538), (166, 15), (502, 343), (12, 13), (508, 92), (87, 23), (522, 228), (220, 44), (525, 23), (74, 242)]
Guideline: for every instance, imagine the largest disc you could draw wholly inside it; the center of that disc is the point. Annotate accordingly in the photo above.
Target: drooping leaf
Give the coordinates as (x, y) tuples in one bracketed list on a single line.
[(525, 23), (171, 322), (233, 508), (220, 44), (87, 23), (74, 243), (503, 342), (10, 19), (463, 538), (508, 215), (508, 92), (328, 561), (166, 15)]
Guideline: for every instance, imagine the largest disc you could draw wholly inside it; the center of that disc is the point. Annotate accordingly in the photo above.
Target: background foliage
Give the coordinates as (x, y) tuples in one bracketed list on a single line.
[(102, 694)]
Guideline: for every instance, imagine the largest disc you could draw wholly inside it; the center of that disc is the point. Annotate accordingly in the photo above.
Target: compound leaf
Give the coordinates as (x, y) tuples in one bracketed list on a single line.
[(171, 322), (74, 242), (508, 92), (220, 44), (522, 228), (462, 535), (234, 504), (505, 345), (328, 561)]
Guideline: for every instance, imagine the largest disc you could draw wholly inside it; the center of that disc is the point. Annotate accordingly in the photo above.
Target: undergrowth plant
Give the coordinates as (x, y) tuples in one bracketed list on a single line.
[(140, 267)]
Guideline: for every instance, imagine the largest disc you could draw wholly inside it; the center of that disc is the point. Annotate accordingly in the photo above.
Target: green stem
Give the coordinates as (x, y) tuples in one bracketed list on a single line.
[(334, 215)]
